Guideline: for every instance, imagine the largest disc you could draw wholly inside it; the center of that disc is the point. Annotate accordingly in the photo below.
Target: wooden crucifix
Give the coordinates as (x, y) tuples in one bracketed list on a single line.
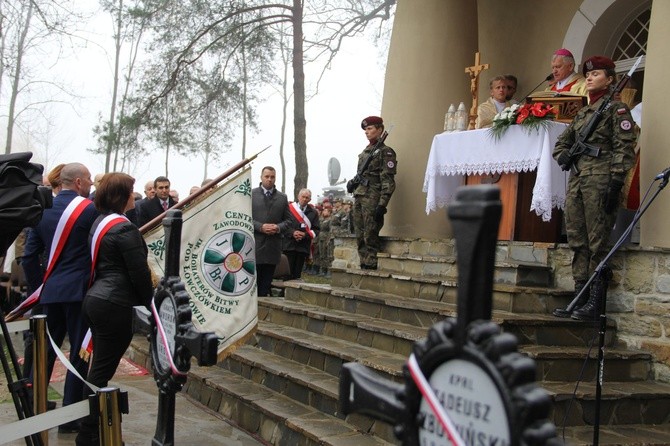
[(474, 72)]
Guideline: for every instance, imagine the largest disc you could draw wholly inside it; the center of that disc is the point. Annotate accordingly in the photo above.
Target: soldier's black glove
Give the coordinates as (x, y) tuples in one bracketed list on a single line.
[(379, 213), (564, 160), (612, 197)]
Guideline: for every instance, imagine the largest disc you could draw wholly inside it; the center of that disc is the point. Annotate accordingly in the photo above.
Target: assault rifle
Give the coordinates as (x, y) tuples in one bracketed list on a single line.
[(581, 147), (353, 183)]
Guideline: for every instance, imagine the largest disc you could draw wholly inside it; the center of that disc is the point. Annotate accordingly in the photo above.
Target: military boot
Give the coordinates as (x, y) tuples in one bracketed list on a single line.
[(563, 312), (591, 310)]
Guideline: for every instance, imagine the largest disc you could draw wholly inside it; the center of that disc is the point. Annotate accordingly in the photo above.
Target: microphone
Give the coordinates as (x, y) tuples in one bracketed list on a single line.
[(546, 79), (663, 175)]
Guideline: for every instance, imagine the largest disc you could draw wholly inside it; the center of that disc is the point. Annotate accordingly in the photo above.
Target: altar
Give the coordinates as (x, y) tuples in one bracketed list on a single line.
[(532, 184)]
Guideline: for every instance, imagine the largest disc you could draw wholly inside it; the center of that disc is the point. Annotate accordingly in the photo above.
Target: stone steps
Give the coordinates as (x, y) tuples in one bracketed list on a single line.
[(622, 403), (506, 251), (277, 419), (506, 297), (553, 362), (283, 384), (324, 352), (634, 434), (443, 267), (558, 363), (536, 329), (304, 384), (308, 371), (280, 420)]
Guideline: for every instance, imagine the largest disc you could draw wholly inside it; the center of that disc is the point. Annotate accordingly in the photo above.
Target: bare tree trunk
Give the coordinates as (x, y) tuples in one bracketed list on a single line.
[(167, 133), (3, 41), (20, 48), (285, 99), (299, 121), (245, 81), (206, 165), (112, 113)]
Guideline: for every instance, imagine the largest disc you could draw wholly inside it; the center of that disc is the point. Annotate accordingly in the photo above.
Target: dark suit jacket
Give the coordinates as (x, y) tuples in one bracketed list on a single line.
[(269, 210), (69, 279), (302, 246), (147, 210)]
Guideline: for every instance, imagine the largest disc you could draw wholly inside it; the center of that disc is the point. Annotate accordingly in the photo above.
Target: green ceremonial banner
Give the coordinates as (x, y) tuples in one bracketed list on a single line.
[(218, 262)]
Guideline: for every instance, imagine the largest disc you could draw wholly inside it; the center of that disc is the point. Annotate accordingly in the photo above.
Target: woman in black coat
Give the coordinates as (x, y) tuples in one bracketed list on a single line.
[(121, 280)]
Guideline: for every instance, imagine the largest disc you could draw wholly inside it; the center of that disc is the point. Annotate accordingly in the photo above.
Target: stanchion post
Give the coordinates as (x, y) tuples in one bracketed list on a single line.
[(111, 402), (38, 326)]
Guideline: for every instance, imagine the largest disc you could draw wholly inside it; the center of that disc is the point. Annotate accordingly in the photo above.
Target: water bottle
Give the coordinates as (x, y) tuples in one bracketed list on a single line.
[(449, 119), (461, 118)]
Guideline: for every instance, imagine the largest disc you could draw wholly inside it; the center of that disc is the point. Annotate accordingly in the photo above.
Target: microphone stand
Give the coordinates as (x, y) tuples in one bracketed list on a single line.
[(601, 275), (546, 79)]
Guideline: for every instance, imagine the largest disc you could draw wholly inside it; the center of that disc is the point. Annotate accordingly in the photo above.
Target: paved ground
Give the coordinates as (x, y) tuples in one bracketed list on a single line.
[(194, 425)]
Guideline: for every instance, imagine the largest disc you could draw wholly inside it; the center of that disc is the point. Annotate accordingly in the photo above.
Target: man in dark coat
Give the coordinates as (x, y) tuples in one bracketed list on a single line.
[(149, 209), (271, 216), (302, 231), (66, 285)]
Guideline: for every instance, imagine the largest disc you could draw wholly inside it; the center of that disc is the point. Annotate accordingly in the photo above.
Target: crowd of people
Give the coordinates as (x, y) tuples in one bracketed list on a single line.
[(87, 257), (305, 233), (300, 231)]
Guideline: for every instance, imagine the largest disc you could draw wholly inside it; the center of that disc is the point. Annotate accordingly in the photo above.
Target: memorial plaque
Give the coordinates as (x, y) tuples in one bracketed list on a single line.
[(473, 401)]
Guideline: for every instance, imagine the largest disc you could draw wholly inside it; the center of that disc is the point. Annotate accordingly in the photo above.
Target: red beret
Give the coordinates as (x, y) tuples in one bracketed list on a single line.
[(597, 63), (371, 120)]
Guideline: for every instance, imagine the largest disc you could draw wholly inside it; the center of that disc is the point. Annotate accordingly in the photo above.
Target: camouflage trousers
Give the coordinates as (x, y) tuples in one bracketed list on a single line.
[(367, 229), (325, 250), (587, 225)]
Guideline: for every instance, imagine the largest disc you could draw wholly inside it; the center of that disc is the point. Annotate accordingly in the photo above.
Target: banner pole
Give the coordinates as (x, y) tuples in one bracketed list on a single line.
[(156, 220)]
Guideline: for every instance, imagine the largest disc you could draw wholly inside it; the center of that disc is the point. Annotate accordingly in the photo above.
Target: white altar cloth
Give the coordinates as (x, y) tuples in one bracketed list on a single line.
[(476, 152)]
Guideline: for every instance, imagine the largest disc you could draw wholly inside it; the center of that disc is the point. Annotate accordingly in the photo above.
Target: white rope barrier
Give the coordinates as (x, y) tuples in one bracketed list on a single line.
[(67, 363), (38, 423), (16, 326), (42, 422)]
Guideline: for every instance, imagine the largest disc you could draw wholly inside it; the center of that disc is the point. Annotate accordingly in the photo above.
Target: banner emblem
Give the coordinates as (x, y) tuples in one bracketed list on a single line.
[(229, 262)]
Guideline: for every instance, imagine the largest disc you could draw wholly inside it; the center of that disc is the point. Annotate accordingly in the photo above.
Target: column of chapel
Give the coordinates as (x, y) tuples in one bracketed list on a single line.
[(655, 137), (430, 46)]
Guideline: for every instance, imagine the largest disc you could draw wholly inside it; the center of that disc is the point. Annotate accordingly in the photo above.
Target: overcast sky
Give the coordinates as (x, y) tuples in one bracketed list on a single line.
[(350, 91)]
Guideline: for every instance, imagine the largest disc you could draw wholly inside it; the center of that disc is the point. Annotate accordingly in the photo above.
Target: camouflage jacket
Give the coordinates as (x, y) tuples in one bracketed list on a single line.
[(340, 222), (614, 135), (379, 175)]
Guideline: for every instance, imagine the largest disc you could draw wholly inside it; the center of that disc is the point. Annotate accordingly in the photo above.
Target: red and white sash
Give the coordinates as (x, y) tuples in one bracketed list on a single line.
[(105, 225), (302, 218), (63, 229)]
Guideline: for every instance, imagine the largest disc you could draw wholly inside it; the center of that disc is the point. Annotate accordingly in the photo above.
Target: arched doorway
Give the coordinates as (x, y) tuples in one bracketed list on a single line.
[(615, 28)]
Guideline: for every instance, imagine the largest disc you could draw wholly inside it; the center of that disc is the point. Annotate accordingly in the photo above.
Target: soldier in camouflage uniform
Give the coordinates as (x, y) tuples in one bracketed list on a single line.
[(594, 192), (323, 243), (373, 193), (340, 222)]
